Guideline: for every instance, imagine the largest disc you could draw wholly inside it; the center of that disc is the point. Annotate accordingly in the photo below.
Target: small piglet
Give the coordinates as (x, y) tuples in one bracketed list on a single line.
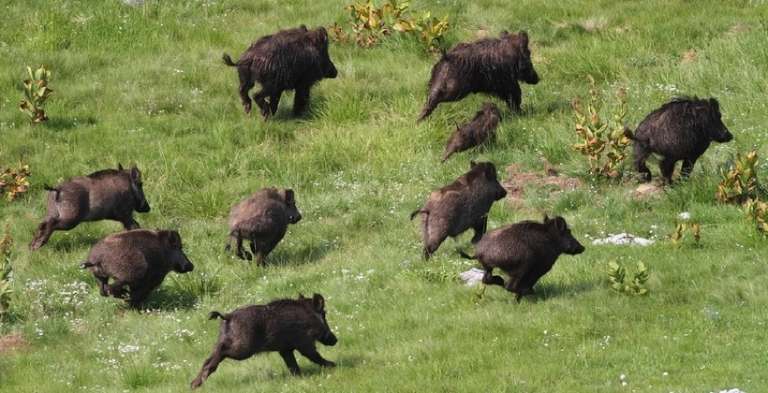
[(681, 129), (292, 59), (282, 326), (459, 206), (492, 66), (476, 132), (262, 219), (110, 194), (138, 259), (525, 251)]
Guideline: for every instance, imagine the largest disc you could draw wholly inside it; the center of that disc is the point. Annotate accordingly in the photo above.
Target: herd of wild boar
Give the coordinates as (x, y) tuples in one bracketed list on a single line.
[(130, 264)]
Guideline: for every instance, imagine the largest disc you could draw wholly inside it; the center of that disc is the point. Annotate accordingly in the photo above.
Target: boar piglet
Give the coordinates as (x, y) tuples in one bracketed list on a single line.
[(292, 59), (681, 129), (476, 132), (525, 251), (262, 219), (492, 66), (282, 326), (138, 259), (461, 205), (110, 194)]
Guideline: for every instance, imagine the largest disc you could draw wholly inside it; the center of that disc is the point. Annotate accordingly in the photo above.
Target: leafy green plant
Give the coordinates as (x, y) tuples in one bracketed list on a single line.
[(757, 211), (36, 92), (683, 229), (6, 273), (617, 275), (604, 143), (371, 23), (740, 183), (14, 181)]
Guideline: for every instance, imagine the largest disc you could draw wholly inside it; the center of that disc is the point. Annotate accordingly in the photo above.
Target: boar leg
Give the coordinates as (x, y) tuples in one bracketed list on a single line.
[(42, 235), (310, 352), (240, 251), (117, 289), (490, 279), (209, 367), (514, 97), (246, 84), (262, 103), (129, 223), (103, 285), (667, 166), (642, 154), (687, 168), (300, 100), (290, 361), (139, 293), (480, 227), (274, 101)]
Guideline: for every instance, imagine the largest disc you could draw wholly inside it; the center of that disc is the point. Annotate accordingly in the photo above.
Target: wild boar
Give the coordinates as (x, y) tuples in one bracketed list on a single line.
[(525, 251), (491, 65), (138, 259), (262, 219), (282, 326), (293, 59), (476, 132), (104, 195), (681, 129), (461, 205)]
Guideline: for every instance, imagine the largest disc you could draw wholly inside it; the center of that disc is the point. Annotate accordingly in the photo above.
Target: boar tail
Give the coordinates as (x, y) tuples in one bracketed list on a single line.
[(466, 256), (216, 314), (418, 211), (53, 189), (228, 60), (628, 133)]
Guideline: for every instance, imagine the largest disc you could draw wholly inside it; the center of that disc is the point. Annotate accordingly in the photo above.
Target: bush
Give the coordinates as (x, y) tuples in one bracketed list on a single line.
[(617, 277), (13, 182), (740, 183), (36, 92), (6, 273)]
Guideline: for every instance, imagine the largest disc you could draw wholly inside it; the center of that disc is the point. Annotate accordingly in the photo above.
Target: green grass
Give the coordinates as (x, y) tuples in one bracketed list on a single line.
[(146, 85)]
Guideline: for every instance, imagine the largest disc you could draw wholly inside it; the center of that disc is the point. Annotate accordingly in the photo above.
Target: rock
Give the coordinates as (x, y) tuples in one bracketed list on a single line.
[(472, 276), (622, 239)]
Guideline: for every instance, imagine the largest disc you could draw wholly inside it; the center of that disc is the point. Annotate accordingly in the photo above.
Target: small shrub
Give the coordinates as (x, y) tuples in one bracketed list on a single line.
[(14, 182), (682, 229), (370, 24), (36, 92), (617, 276), (6, 273), (740, 183), (757, 211), (604, 143)]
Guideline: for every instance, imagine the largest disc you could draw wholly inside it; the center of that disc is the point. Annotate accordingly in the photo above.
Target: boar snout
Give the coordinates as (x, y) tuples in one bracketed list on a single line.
[(182, 263), (143, 207), (330, 70), (723, 136), (572, 246), (500, 192), (294, 218), (328, 339)]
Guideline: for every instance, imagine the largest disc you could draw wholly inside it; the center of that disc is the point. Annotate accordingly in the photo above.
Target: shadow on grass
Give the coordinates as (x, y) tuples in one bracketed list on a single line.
[(69, 241), (553, 291), (60, 123), (169, 299)]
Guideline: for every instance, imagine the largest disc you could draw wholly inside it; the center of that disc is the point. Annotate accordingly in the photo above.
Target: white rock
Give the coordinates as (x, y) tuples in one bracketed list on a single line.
[(623, 239), (684, 216), (472, 276)]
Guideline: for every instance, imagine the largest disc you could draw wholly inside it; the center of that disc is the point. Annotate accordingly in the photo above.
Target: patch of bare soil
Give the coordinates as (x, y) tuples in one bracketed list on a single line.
[(518, 181), (12, 342)]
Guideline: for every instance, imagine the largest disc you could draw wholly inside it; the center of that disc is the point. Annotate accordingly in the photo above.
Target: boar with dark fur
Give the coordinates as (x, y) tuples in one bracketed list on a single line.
[(492, 65), (262, 219), (138, 259), (282, 326), (110, 194), (525, 251), (459, 206), (681, 130), (293, 59), (474, 133)]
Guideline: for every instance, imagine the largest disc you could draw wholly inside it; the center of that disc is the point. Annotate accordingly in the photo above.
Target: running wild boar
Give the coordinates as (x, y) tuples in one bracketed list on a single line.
[(262, 219), (110, 194), (459, 206), (681, 129), (282, 326), (293, 59), (491, 65), (476, 132), (525, 251), (138, 259)]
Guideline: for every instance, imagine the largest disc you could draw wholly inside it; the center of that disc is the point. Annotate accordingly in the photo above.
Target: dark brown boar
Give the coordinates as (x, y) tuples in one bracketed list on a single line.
[(138, 259), (283, 326), (262, 219), (293, 59), (681, 129), (525, 251), (110, 194), (474, 133), (459, 206), (493, 66)]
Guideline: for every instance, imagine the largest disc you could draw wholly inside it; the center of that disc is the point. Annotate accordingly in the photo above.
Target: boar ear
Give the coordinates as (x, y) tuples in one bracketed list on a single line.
[(714, 104), (301, 296), (119, 166), (472, 164), (560, 224), (504, 34), (135, 174), (523, 37), (173, 238), (546, 218), (318, 302), (289, 197)]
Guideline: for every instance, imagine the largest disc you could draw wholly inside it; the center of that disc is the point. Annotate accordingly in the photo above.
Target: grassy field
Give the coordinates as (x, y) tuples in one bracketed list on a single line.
[(146, 85)]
